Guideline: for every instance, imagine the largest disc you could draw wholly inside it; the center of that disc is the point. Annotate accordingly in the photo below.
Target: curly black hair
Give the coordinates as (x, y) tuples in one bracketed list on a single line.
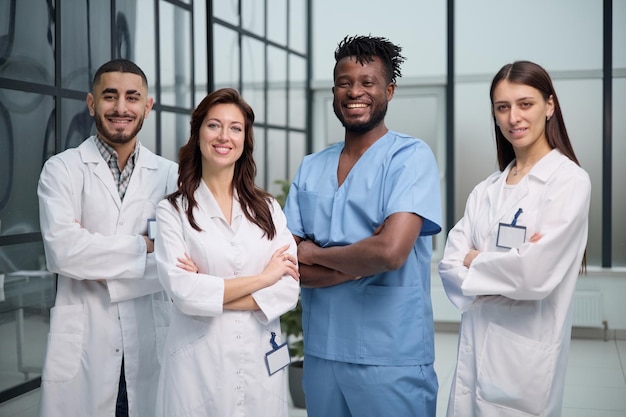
[(364, 48)]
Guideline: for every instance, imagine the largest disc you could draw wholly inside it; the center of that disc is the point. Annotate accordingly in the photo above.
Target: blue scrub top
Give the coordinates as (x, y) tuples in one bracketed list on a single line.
[(383, 319)]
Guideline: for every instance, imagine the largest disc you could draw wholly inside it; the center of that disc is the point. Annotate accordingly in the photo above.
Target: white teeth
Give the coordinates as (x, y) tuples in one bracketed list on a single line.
[(356, 106)]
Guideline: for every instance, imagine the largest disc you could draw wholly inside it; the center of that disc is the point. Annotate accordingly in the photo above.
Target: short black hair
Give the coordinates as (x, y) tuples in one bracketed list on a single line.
[(364, 48), (119, 65)]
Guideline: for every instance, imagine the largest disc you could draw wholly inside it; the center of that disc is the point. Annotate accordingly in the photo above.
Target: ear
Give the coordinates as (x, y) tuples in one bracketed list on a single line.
[(149, 104), (550, 107), (391, 88), (90, 104)]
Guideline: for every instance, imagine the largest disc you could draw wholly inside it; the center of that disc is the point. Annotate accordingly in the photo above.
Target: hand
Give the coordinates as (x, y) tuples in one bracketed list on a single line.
[(535, 237), (469, 258), (149, 244), (187, 264), (281, 263), (306, 250)]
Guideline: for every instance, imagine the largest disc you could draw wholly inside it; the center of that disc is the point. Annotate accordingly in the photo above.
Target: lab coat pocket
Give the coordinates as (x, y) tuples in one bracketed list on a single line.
[(515, 372), (161, 310), (65, 343)]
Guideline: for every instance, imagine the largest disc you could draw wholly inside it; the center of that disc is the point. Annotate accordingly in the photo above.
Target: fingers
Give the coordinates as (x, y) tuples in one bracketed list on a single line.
[(187, 264)]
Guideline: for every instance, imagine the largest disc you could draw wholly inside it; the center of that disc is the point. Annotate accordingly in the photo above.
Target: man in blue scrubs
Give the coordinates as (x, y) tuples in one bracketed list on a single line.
[(363, 212)]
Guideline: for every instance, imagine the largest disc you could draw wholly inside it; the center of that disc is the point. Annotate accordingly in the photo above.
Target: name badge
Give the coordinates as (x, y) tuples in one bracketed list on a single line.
[(510, 237), (277, 358), (152, 225)]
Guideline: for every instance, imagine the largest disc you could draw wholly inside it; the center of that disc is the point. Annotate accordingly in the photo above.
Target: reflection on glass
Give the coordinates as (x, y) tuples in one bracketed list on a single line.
[(174, 133), (297, 25), (253, 15), (26, 295), (253, 77), (6, 157), (86, 27), (277, 83), (77, 124), (25, 122), (175, 35), (226, 57), (26, 42), (277, 21)]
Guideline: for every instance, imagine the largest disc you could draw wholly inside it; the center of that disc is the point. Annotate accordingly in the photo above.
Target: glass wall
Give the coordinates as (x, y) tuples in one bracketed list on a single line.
[(49, 51), (260, 48)]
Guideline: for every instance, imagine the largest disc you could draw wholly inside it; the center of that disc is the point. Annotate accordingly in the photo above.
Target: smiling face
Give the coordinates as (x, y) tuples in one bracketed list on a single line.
[(222, 136), (521, 112), (361, 94), (119, 103)]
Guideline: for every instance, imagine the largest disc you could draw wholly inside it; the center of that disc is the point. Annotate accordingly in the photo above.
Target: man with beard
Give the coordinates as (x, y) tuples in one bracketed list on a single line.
[(363, 212), (110, 315)]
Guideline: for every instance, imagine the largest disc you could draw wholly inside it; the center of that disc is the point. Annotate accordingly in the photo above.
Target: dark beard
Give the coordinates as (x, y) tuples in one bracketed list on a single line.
[(114, 136), (377, 116)]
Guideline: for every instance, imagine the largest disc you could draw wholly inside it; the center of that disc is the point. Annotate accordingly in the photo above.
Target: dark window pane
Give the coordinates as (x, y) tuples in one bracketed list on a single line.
[(297, 25), (26, 41), (85, 40), (24, 121)]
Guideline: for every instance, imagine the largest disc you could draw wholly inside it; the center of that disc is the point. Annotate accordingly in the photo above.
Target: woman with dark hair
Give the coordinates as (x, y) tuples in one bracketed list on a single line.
[(227, 260), (511, 263)]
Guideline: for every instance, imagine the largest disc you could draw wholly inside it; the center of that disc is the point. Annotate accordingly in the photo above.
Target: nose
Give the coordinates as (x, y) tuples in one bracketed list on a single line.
[(120, 105), (354, 91), (514, 115)]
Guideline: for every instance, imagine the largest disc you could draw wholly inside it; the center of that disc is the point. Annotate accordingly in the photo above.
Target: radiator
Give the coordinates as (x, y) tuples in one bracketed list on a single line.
[(588, 310)]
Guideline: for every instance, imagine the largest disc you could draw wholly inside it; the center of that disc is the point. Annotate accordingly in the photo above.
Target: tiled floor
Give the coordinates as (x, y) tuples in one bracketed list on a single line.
[(595, 386)]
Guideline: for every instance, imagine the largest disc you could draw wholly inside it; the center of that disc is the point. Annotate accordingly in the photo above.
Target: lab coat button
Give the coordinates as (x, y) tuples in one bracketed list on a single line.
[(465, 391), (468, 349)]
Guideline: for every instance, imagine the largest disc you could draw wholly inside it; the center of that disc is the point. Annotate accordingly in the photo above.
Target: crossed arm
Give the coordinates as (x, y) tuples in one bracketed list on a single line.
[(387, 249)]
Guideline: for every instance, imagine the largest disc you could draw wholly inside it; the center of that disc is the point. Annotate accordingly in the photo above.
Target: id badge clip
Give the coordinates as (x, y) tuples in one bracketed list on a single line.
[(277, 358), (511, 236), (152, 224)]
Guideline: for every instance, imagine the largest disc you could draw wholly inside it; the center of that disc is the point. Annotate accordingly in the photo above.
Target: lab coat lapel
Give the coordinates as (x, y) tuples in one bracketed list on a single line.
[(145, 164), (495, 210), (90, 155)]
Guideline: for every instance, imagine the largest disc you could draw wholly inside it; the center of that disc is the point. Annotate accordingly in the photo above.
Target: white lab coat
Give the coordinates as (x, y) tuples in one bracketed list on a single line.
[(109, 301), (516, 322), (215, 359)]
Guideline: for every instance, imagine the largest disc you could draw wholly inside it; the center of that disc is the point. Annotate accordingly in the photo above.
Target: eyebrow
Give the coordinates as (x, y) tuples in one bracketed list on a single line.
[(114, 91), (517, 99)]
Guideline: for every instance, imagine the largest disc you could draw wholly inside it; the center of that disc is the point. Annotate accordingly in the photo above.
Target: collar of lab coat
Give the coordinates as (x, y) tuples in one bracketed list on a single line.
[(209, 207), (540, 172), (90, 154)]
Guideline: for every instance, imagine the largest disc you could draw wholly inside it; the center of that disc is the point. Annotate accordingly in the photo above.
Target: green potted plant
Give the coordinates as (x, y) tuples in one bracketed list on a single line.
[(291, 324)]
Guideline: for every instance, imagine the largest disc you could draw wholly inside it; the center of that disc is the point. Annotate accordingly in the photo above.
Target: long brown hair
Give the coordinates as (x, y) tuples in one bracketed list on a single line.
[(533, 75), (530, 74), (254, 201)]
